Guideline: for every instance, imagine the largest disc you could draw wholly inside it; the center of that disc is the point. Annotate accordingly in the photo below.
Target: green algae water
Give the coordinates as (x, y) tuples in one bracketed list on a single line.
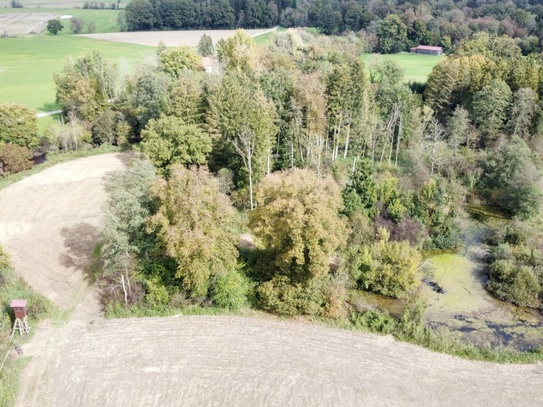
[(462, 307)]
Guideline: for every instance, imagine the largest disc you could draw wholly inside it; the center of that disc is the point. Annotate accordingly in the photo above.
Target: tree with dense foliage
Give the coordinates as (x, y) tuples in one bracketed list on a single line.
[(194, 222), (175, 60), (513, 178), (514, 283), (523, 110), (54, 26), (139, 15), (360, 193), (148, 92), (112, 128), (298, 229), (386, 267), (128, 206), (392, 34), (186, 97), (244, 121), (205, 46), (87, 85), (237, 52), (513, 277), (18, 125), (169, 140), (491, 108)]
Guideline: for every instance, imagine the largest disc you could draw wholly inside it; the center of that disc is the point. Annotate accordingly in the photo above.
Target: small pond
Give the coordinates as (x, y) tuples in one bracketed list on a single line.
[(458, 303)]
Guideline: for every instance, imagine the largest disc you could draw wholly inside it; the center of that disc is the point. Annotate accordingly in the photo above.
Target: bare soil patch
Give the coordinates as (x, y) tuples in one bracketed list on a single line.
[(228, 361), (24, 23), (169, 38), (48, 224)]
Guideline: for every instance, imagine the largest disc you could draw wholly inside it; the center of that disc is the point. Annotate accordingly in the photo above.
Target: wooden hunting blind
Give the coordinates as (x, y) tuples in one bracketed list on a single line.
[(21, 320), (19, 308)]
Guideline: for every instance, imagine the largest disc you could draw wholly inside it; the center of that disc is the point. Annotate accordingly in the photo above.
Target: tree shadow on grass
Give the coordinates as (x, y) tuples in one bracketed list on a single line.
[(49, 107), (80, 242)]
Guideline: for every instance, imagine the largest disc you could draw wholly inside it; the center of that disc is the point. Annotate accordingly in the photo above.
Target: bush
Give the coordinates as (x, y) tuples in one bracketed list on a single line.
[(157, 294), (514, 283), (388, 268), (374, 320), (281, 296), (77, 25), (231, 290), (15, 158), (412, 324)]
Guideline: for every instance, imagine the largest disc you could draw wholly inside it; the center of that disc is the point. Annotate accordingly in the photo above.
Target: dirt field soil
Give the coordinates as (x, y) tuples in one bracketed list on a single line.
[(48, 224), (169, 38)]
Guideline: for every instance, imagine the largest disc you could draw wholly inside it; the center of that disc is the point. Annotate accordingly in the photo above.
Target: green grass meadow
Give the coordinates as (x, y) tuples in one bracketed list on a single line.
[(416, 67), (264, 39), (28, 64)]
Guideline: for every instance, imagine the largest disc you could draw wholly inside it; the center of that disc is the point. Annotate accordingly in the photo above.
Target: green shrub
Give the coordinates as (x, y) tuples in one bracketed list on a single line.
[(231, 290), (514, 283), (15, 158), (388, 268), (282, 296), (374, 320), (412, 325), (157, 294)]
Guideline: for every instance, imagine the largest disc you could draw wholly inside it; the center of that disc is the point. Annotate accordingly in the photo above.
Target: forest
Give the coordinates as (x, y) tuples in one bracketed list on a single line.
[(388, 26), (339, 177)]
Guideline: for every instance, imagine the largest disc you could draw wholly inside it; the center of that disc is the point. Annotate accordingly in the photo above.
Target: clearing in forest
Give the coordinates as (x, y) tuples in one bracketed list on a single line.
[(416, 67)]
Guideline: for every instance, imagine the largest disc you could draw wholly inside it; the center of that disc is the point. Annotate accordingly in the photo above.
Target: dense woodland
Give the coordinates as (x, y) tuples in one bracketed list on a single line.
[(344, 174), (387, 25)]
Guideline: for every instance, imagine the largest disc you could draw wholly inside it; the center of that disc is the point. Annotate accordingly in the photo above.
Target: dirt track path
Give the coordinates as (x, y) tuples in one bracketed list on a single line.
[(48, 222)]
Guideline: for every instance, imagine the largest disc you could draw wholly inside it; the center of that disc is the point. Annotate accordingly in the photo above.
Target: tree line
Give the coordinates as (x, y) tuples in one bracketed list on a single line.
[(343, 173), (386, 26)]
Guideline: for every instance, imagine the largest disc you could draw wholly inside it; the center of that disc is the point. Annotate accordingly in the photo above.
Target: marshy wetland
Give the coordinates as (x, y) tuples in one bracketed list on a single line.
[(457, 302)]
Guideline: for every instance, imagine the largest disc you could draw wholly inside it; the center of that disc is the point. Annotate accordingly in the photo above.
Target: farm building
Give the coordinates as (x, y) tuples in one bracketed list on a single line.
[(426, 49)]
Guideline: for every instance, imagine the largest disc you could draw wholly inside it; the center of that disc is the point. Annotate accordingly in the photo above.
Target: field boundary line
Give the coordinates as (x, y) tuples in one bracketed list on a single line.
[(51, 113), (265, 32)]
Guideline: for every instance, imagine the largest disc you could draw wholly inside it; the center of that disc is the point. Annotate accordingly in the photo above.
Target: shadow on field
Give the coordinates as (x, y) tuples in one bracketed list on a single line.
[(80, 241), (48, 107), (126, 157)]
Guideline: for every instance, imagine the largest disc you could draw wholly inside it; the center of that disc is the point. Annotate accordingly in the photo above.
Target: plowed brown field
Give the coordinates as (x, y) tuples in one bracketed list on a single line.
[(169, 38)]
